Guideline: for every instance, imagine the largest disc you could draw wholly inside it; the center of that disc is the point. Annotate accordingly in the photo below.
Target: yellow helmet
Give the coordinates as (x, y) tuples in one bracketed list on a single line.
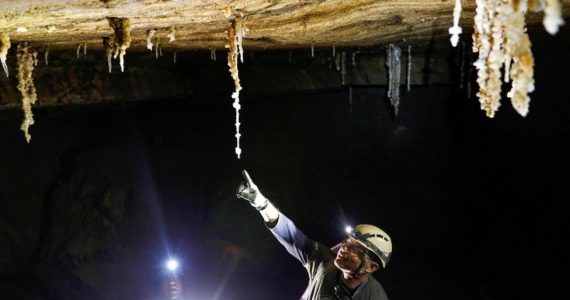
[(374, 239)]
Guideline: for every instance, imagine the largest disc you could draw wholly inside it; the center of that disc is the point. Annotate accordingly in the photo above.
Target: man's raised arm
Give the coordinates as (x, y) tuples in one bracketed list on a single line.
[(293, 239)]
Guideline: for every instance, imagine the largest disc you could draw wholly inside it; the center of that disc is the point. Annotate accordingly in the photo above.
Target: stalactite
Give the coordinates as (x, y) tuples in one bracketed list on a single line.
[(500, 38), (149, 35), (522, 73), (78, 49), (108, 46), (4, 46), (334, 51), (517, 47), (213, 53), (156, 48), (46, 54), (232, 45), (240, 30), (159, 49), (494, 63), (552, 16), (337, 62), (312, 49), (488, 37), (394, 70), (174, 56), (481, 44), (26, 60), (354, 57), (455, 30), (343, 68), (49, 29), (388, 65), (171, 35), (122, 38), (409, 75)]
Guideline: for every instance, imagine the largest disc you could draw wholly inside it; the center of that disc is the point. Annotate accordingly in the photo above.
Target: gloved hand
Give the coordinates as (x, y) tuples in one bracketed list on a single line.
[(248, 190)]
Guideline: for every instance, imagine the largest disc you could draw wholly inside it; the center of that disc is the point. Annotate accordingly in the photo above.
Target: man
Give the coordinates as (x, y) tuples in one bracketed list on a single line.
[(344, 275), (172, 287)]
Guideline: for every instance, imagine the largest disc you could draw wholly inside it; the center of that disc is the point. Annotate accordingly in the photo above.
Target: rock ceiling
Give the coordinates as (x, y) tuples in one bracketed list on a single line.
[(201, 24)]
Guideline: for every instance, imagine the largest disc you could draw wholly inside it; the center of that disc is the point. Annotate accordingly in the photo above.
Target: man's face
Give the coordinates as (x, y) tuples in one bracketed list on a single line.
[(350, 255)]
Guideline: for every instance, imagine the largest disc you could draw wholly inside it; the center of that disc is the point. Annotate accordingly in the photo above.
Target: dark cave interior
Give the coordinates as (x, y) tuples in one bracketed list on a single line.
[(104, 192)]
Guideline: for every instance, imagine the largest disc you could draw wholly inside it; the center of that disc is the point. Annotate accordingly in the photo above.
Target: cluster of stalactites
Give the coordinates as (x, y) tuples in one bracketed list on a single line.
[(501, 40), (26, 60), (152, 36), (4, 46), (117, 44), (234, 44), (552, 15), (393, 63)]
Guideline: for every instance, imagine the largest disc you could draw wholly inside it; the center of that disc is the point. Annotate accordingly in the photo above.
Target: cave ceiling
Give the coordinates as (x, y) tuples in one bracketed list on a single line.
[(202, 24)]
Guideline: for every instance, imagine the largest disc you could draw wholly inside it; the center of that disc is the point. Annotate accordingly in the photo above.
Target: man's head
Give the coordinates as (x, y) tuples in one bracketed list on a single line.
[(366, 249)]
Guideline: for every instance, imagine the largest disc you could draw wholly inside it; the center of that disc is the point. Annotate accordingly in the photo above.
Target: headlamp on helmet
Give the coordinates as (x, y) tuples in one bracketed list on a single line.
[(373, 239)]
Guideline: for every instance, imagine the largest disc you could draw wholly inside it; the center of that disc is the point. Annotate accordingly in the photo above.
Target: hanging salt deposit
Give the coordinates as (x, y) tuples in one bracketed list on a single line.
[(409, 75), (394, 70), (4, 46), (171, 35), (149, 35), (233, 51), (122, 38), (26, 60), (500, 38), (455, 30)]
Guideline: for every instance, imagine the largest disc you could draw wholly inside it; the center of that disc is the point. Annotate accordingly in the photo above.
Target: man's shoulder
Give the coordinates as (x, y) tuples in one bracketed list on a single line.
[(374, 290), (373, 282)]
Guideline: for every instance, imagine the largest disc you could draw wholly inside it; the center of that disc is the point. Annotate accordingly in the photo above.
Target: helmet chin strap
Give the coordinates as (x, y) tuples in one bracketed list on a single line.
[(362, 268)]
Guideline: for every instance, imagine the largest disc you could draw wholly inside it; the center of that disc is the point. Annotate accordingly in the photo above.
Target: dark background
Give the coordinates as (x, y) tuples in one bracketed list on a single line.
[(476, 207)]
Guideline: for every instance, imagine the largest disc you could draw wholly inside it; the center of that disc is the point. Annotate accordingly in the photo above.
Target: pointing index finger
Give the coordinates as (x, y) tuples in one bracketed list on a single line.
[(247, 178)]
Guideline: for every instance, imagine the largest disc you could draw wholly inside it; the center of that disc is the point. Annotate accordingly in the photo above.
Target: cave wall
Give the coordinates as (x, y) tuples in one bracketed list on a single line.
[(475, 206)]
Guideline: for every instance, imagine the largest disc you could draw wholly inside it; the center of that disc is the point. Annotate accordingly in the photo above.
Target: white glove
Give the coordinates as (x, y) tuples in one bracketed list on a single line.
[(248, 190)]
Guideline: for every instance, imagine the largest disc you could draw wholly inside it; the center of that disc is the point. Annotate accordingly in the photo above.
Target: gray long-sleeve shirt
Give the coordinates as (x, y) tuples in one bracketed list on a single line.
[(324, 277)]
